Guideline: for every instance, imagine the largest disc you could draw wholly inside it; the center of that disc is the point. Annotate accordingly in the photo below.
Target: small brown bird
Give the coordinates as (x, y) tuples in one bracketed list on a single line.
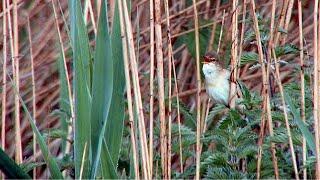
[(217, 80)]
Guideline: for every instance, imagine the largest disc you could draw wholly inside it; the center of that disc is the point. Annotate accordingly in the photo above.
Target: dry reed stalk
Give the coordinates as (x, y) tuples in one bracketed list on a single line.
[(68, 146), (129, 93), (15, 59), (198, 144), (214, 26), (270, 45), (265, 93), (98, 6), (4, 78), (293, 155), (176, 89), (160, 76), (180, 34), (137, 92), (316, 87), (175, 15), (280, 23), (34, 110), (260, 142), (88, 10), (243, 25), (220, 36), (302, 85), (85, 11), (151, 83), (170, 60), (112, 6), (287, 20), (234, 54), (206, 15)]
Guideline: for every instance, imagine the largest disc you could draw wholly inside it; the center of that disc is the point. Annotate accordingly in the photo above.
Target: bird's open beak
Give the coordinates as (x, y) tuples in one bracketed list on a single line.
[(203, 62)]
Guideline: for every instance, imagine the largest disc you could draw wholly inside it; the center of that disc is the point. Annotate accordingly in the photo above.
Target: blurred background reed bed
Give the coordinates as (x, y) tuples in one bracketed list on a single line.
[(151, 95)]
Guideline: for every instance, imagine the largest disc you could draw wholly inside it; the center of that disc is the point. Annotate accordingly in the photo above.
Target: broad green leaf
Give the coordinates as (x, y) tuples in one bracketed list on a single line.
[(10, 168), (81, 62), (102, 86), (114, 128), (108, 167)]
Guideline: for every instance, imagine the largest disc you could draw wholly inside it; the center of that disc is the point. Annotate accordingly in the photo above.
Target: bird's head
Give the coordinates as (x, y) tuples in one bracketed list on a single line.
[(211, 64), (210, 57)]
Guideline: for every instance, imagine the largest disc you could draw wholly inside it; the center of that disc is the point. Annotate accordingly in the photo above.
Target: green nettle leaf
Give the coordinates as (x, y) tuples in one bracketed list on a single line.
[(301, 125), (248, 57), (286, 49)]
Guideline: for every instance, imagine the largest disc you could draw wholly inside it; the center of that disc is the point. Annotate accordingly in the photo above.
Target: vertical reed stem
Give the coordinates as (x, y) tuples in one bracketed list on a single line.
[(316, 87), (198, 144), (160, 76), (170, 60), (265, 90), (302, 85), (129, 93), (293, 155), (137, 91), (234, 54), (4, 77), (214, 26), (16, 77), (33, 96), (151, 101)]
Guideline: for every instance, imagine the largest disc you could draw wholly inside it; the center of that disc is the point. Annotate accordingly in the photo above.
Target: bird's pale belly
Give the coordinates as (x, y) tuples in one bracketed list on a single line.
[(219, 90)]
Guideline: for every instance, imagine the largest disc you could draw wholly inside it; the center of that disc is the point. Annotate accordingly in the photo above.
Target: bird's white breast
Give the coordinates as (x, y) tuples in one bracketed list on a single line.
[(217, 83)]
